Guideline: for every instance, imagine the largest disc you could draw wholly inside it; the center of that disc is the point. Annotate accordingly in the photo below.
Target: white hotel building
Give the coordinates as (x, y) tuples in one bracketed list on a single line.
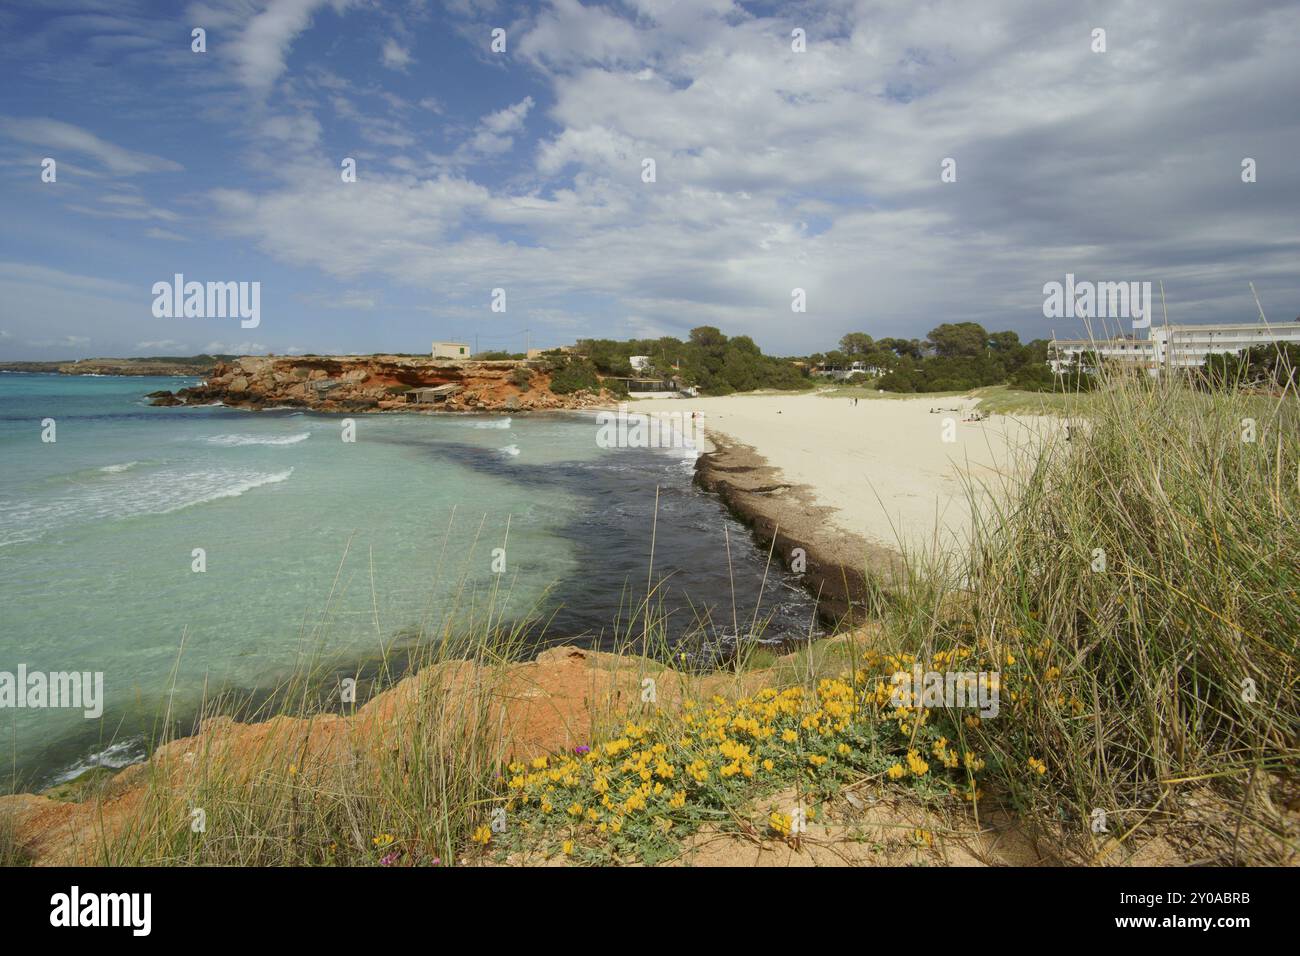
[(1175, 346)]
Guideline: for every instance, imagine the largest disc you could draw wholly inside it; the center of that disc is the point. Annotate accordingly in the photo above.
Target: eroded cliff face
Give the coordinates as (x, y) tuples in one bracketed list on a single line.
[(371, 383)]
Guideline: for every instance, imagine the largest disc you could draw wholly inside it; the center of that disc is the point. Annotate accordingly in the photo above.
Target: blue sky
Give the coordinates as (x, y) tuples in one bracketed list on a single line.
[(521, 170)]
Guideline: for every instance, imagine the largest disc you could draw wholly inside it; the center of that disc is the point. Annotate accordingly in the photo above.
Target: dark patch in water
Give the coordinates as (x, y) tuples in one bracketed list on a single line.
[(694, 581)]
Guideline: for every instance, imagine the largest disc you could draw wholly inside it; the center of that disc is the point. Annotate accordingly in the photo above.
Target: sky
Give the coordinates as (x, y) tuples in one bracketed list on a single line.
[(775, 168)]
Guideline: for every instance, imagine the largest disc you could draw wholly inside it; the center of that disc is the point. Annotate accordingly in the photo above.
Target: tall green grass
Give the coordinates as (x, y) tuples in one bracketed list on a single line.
[(1154, 558)]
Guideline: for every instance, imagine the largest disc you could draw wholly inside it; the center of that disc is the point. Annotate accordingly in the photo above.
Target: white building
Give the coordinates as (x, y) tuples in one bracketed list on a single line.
[(1175, 346), (1138, 352), (845, 372), (639, 363), (1185, 346), (450, 350)]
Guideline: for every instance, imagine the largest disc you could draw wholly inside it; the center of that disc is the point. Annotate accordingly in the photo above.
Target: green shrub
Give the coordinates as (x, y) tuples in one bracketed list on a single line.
[(575, 376), (902, 380), (1034, 377)]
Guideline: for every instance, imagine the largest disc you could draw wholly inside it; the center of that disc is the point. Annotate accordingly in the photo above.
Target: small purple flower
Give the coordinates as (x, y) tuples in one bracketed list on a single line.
[(389, 859), (581, 749)]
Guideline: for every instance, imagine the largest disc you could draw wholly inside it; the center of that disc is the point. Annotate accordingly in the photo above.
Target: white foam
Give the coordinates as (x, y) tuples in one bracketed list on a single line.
[(510, 450), (232, 441), (153, 494), (115, 756), (114, 469), (497, 423)]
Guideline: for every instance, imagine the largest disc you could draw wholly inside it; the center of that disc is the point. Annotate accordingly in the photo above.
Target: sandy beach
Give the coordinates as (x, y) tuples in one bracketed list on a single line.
[(880, 469)]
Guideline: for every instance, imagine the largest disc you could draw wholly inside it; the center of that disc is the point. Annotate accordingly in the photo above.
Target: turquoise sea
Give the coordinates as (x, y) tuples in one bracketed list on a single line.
[(315, 546)]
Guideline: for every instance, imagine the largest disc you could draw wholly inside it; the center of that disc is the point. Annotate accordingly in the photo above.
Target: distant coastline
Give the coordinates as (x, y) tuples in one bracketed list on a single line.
[(189, 367)]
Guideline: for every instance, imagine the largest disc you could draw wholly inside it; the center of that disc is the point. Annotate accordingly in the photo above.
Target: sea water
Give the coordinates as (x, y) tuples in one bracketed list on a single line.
[(310, 545)]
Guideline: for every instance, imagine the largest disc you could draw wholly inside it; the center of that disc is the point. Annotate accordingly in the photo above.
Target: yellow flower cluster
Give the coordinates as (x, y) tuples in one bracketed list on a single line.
[(672, 771)]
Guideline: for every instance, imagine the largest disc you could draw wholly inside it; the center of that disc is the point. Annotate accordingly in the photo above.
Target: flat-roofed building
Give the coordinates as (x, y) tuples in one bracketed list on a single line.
[(450, 350), (1185, 346), (1174, 346), (1140, 353)]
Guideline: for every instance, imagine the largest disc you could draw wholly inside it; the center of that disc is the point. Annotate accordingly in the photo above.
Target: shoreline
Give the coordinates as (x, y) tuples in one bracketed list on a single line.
[(842, 571), (897, 474), (862, 487)]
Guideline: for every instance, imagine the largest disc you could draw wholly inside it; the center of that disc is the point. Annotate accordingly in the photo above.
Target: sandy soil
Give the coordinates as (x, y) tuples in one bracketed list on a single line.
[(881, 468)]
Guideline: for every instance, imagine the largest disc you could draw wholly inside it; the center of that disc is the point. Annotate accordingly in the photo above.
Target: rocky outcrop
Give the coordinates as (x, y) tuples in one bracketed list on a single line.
[(372, 383), (845, 572)]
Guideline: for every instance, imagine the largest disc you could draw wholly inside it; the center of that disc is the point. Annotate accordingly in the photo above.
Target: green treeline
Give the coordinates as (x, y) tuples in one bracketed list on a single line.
[(954, 356), (708, 359)]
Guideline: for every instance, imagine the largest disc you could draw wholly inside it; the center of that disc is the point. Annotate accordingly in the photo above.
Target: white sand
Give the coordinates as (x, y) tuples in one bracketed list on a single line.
[(882, 466)]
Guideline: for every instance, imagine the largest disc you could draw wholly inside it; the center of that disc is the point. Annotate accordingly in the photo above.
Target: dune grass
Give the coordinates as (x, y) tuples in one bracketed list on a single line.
[(1151, 561), (11, 853)]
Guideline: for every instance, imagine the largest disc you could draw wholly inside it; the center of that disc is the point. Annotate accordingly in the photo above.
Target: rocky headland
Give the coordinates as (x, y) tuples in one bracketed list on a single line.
[(379, 383)]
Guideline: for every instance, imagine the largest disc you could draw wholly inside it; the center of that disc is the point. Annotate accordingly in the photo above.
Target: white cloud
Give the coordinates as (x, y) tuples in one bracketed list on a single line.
[(495, 131), (261, 48), (124, 206), (395, 56), (56, 137), (43, 277), (778, 169)]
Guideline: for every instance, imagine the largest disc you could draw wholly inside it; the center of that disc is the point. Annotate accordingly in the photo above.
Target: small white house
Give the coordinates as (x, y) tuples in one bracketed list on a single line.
[(450, 350), (639, 363)]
